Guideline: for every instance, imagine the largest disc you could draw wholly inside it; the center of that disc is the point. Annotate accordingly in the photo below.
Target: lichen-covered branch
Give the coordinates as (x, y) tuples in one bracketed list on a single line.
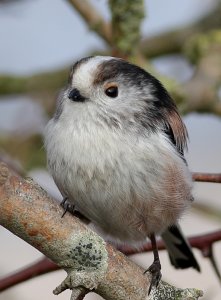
[(47, 81), (126, 21), (162, 44), (201, 93), (173, 41), (202, 242), (27, 211)]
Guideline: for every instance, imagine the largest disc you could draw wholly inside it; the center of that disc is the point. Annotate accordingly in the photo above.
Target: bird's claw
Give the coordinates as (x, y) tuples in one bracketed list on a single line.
[(67, 206), (156, 275)]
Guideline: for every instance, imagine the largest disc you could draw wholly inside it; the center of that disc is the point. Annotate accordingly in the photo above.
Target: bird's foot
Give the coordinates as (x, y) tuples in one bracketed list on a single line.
[(156, 275), (67, 206)]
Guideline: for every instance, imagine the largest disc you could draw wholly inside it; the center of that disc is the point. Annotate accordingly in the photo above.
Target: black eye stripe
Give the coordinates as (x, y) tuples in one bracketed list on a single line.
[(112, 91)]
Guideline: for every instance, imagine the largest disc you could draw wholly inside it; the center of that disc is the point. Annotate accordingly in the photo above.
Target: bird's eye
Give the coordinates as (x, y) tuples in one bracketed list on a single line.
[(112, 91)]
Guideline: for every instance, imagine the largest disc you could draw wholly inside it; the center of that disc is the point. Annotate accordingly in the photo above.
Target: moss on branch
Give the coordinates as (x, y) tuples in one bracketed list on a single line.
[(173, 41), (48, 81), (200, 45), (126, 20)]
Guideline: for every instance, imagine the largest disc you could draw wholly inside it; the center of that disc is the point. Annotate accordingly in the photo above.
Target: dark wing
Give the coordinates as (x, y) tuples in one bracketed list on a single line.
[(165, 112), (176, 130)]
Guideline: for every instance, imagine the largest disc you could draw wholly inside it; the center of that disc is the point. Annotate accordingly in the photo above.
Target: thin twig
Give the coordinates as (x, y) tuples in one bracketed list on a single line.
[(201, 242), (93, 19), (207, 177), (38, 268)]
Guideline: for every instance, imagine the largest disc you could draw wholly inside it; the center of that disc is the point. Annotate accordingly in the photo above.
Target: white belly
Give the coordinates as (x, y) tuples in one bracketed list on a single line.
[(129, 187)]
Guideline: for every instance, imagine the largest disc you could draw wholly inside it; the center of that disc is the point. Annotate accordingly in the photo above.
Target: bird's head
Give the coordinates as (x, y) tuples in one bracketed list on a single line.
[(121, 91)]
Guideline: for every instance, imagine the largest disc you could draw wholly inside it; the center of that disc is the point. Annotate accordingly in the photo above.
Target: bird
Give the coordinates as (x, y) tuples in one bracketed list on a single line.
[(115, 148)]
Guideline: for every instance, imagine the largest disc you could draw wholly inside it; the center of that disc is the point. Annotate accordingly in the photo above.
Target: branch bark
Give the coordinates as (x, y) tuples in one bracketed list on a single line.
[(126, 21), (201, 242), (173, 41), (165, 43), (27, 211), (207, 177)]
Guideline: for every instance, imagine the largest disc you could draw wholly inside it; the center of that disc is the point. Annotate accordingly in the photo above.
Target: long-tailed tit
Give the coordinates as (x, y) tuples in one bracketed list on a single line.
[(115, 150)]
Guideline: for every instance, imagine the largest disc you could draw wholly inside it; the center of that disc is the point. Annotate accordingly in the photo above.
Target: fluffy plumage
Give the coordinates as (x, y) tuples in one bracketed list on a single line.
[(119, 159)]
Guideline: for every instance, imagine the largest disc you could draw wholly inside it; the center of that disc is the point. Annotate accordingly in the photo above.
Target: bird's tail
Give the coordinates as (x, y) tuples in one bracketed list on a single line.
[(180, 252)]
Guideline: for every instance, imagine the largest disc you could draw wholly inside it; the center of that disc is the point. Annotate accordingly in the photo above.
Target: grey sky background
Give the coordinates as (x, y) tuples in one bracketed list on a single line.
[(42, 35), (39, 35)]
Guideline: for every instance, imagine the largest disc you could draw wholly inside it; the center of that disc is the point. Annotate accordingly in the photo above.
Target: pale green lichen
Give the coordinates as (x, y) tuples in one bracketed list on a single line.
[(85, 262), (126, 20), (87, 252), (166, 291)]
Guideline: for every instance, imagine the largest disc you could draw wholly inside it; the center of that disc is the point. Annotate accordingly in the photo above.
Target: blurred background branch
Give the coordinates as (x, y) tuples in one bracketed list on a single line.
[(203, 242), (122, 36), (93, 19), (198, 43)]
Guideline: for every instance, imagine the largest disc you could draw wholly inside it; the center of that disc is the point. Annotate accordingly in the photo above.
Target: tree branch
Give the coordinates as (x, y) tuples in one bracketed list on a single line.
[(38, 268), (173, 41), (201, 242), (165, 43), (126, 21), (93, 19), (47, 81), (90, 263), (206, 177), (199, 94)]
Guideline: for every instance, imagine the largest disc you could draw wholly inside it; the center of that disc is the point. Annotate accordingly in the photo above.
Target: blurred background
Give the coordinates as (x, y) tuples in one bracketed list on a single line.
[(180, 43)]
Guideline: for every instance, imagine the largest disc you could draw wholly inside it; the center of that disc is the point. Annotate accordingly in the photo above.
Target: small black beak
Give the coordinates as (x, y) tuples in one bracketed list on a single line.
[(75, 95)]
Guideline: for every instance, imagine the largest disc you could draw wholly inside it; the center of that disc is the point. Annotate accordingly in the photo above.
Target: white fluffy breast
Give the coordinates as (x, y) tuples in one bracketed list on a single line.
[(130, 186)]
